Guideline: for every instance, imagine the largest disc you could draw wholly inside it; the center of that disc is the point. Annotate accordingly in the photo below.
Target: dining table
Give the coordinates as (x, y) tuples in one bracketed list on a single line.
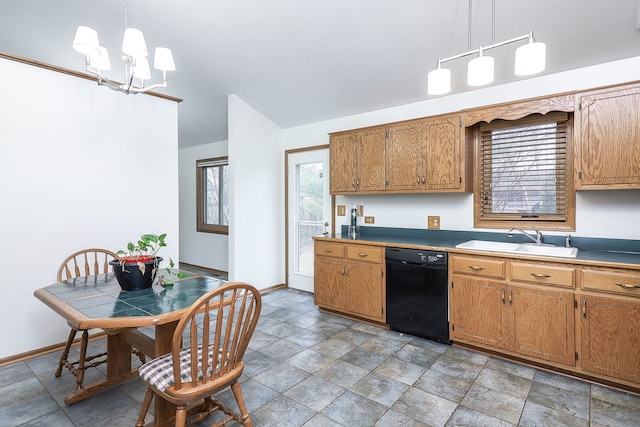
[(142, 319)]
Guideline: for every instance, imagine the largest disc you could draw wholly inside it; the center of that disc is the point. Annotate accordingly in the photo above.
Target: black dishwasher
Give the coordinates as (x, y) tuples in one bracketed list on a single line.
[(417, 293)]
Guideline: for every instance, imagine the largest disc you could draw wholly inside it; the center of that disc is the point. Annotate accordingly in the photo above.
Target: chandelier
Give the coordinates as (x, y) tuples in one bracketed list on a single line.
[(134, 50), (530, 59)]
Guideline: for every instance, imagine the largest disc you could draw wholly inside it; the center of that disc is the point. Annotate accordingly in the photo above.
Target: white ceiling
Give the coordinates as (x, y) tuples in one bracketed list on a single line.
[(302, 61)]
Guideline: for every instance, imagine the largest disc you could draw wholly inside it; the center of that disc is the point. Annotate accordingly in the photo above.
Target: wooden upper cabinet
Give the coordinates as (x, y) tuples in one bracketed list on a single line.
[(357, 161), (607, 124), (371, 160), (405, 145), (426, 155)]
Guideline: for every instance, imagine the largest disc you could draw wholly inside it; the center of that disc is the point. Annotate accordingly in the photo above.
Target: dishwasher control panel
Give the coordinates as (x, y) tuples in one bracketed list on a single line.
[(416, 256)]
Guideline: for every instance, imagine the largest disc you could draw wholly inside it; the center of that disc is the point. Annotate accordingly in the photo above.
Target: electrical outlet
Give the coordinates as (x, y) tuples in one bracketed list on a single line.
[(342, 210), (360, 210), (369, 220), (433, 222)]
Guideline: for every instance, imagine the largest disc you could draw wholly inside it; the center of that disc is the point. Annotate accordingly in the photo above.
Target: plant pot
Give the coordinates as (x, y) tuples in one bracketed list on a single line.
[(135, 274)]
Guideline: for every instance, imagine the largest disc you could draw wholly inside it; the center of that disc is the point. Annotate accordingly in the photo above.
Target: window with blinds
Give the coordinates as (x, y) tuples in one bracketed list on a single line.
[(524, 169)]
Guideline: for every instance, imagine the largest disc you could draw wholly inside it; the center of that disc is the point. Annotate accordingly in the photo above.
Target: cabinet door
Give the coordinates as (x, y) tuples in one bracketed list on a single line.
[(443, 160), (541, 324), (343, 152), (608, 124), (479, 311), (328, 283), (364, 288), (404, 151), (610, 337), (371, 160)]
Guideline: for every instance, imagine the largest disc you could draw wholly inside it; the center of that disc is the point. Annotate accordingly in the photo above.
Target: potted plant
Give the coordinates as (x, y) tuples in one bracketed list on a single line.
[(137, 267)]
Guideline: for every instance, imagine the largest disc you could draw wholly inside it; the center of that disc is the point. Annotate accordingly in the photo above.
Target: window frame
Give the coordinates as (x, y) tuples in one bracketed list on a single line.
[(201, 186), (568, 224)]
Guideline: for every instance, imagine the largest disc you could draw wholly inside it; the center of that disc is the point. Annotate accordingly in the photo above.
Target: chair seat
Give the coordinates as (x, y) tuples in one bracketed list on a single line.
[(159, 372)]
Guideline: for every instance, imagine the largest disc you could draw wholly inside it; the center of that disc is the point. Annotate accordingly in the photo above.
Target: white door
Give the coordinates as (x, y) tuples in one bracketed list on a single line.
[(308, 212)]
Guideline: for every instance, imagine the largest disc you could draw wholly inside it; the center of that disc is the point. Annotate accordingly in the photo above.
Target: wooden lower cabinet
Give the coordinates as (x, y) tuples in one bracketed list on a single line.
[(541, 324), (609, 313), (478, 312), (349, 278), (501, 314), (611, 337)]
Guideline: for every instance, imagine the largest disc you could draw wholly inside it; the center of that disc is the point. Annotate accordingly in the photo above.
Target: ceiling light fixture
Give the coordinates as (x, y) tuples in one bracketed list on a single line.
[(135, 54), (529, 59)]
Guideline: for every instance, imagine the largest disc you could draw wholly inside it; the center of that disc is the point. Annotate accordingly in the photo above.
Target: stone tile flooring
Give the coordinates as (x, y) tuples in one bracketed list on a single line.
[(306, 368)]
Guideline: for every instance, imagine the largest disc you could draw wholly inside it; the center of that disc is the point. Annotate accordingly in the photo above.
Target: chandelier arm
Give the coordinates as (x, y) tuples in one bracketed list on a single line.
[(484, 48)]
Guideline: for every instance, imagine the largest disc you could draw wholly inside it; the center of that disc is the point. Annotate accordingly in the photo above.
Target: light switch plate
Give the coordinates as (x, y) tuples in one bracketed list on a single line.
[(369, 220), (342, 210)]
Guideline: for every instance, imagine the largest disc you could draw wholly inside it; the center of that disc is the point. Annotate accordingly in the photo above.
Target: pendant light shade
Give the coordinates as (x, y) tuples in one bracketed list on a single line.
[(480, 70), (530, 58), (439, 81), (133, 43), (163, 59), (86, 41), (141, 69), (100, 62)]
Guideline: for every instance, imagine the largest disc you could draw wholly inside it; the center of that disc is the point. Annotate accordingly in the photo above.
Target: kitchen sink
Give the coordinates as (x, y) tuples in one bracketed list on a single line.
[(487, 245), (520, 248)]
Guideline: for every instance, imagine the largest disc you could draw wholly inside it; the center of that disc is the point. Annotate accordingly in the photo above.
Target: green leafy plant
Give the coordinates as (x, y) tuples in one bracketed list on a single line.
[(144, 250)]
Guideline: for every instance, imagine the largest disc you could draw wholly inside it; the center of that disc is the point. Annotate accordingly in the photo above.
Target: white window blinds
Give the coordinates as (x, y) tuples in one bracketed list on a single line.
[(524, 168)]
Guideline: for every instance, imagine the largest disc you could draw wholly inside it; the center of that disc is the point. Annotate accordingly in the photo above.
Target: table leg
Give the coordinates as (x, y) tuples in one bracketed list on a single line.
[(118, 369)]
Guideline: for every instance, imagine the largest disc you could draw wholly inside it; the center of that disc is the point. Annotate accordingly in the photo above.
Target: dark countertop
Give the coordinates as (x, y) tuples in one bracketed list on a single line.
[(591, 251)]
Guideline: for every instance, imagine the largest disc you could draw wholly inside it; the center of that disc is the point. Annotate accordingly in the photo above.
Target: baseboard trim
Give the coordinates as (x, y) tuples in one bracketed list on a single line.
[(207, 269), (45, 350)]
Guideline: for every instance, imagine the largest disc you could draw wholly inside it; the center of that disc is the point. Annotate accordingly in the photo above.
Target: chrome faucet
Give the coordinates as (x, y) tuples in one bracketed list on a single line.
[(537, 239)]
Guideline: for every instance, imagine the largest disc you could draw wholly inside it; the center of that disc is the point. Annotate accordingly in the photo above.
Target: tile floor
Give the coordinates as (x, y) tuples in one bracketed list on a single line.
[(306, 368)]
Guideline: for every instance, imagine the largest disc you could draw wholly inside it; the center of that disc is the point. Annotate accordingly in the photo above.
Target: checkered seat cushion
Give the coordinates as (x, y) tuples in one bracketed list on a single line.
[(159, 371)]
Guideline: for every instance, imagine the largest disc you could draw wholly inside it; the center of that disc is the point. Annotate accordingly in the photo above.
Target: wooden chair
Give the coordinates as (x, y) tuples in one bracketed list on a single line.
[(87, 262), (206, 356)]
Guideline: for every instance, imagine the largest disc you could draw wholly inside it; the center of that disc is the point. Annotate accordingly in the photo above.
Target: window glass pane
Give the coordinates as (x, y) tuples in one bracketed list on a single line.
[(212, 213), (310, 194), (225, 195), (305, 247)]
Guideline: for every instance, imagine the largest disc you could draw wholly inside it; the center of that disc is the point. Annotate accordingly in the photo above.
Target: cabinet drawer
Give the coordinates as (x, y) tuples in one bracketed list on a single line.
[(365, 253), (545, 274), (330, 249), (615, 281), (479, 266)]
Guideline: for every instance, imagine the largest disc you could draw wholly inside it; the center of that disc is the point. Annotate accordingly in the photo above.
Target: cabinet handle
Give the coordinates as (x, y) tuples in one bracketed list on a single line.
[(626, 285), (540, 275), (502, 293), (418, 179), (510, 297), (328, 251), (353, 183), (357, 183), (363, 255), (584, 309), (424, 179), (473, 267)]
